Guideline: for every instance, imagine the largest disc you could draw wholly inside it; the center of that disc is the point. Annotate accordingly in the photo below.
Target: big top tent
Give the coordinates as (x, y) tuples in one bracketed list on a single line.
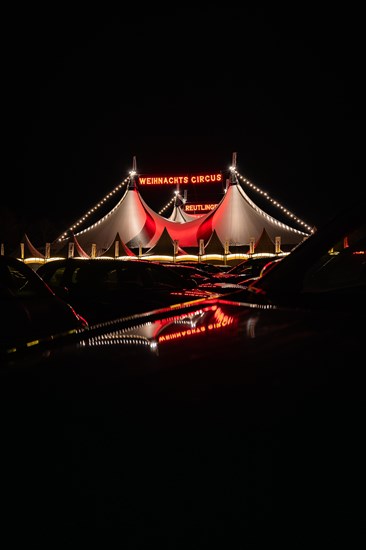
[(237, 221)]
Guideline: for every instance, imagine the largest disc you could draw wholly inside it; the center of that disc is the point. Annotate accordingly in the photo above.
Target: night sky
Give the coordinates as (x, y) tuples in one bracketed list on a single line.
[(181, 90)]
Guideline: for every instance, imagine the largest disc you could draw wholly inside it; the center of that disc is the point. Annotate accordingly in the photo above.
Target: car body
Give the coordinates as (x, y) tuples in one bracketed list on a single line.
[(189, 271), (327, 271), (204, 280), (267, 266), (107, 288), (246, 269), (29, 308), (207, 268), (210, 419)]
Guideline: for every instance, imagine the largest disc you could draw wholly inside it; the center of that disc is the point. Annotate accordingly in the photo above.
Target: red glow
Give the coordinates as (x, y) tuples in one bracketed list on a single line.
[(220, 320)]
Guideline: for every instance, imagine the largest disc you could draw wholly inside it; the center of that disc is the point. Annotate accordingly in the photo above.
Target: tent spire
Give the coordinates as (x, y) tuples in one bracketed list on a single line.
[(233, 176), (133, 174)]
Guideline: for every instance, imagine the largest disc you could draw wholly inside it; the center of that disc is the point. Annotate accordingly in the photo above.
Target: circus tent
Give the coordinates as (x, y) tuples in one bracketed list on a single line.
[(213, 245), (138, 225), (237, 221), (119, 248), (69, 247), (165, 246), (26, 250), (178, 214)]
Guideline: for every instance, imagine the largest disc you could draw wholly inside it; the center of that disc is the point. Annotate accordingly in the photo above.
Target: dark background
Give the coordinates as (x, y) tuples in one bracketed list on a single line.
[(181, 90)]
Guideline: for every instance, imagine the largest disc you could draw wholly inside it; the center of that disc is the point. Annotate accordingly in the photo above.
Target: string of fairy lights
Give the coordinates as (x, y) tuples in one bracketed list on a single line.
[(274, 202), (169, 204), (95, 208), (241, 179)]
